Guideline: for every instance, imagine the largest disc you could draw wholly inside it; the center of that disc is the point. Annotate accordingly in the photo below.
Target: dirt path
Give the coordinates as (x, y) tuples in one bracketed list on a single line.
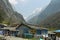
[(12, 38)]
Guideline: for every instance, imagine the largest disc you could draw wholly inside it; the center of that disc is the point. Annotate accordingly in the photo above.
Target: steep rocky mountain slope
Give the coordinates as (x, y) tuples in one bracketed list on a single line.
[(52, 22), (7, 14)]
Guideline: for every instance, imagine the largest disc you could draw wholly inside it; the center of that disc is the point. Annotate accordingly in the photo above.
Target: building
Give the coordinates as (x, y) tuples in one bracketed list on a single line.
[(2, 26), (24, 30), (57, 34), (51, 35), (8, 31)]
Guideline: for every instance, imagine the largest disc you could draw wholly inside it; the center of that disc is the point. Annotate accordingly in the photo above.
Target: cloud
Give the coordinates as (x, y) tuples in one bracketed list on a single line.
[(22, 0), (13, 2), (25, 17), (37, 10)]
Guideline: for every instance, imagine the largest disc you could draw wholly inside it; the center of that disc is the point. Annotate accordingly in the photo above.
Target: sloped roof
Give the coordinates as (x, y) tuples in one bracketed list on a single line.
[(57, 31), (9, 28)]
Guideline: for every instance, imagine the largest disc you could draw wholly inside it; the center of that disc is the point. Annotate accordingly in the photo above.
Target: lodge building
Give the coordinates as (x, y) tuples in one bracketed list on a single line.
[(22, 30)]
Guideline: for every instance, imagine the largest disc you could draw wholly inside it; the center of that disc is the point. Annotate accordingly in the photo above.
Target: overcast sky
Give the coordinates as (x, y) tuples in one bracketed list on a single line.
[(28, 7)]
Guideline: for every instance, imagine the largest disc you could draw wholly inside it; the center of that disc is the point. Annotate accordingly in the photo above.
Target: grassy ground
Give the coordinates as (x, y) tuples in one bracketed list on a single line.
[(0, 38), (35, 39)]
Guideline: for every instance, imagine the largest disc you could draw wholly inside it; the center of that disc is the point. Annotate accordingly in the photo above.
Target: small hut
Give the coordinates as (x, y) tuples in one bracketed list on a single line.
[(39, 31), (51, 35), (24, 30), (2, 26), (57, 34), (9, 31)]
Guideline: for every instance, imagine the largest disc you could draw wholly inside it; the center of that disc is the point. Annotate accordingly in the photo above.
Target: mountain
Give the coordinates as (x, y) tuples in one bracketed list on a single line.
[(52, 22), (8, 15), (19, 17), (52, 9)]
